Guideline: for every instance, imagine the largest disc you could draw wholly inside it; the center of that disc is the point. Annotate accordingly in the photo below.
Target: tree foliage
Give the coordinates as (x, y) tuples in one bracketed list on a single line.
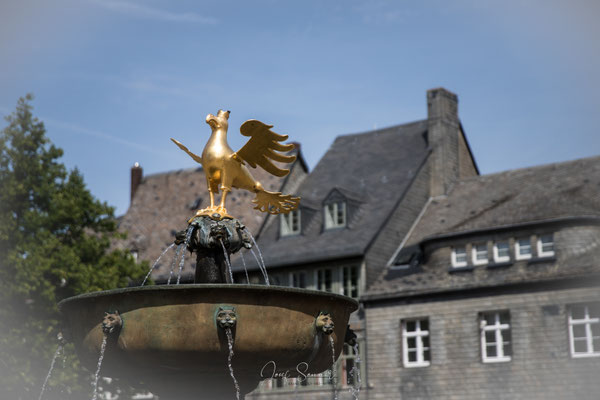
[(55, 242)]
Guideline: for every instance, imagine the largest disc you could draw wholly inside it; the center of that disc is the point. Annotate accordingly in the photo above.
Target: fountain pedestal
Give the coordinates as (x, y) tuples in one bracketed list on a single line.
[(213, 239)]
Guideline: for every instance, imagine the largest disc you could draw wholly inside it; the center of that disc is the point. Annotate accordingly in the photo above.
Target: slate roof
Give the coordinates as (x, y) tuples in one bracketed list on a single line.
[(514, 197), (505, 200), (372, 170), (164, 202)]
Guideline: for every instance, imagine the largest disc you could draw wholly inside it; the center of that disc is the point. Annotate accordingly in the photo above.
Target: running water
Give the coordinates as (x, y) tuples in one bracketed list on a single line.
[(227, 260), (97, 375), (260, 263), (230, 345), (174, 262), (245, 269), (156, 263), (56, 354), (188, 236), (333, 369), (355, 374)]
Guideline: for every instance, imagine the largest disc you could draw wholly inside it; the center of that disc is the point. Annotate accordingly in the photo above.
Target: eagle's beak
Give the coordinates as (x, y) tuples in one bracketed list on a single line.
[(211, 120)]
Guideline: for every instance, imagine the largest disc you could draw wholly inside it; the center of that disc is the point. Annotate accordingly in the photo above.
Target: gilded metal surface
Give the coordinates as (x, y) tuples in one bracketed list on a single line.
[(226, 169), (170, 335)]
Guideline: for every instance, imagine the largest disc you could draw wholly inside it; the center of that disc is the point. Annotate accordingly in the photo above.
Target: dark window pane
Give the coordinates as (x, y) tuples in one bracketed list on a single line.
[(425, 341), (411, 326), (349, 372), (347, 350), (579, 331), (506, 335), (490, 319), (596, 345), (424, 325), (491, 351), (412, 343), (490, 337), (504, 318), (580, 346), (427, 355), (594, 310), (412, 356), (507, 349), (577, 312), (595, 330)]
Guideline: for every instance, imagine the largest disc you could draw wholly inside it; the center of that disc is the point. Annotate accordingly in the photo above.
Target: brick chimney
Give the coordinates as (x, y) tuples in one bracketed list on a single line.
[(137, 173), (443, 134)]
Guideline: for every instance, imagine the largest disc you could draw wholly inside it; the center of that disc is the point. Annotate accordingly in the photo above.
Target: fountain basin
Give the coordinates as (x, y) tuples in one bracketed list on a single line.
[(170, 334)]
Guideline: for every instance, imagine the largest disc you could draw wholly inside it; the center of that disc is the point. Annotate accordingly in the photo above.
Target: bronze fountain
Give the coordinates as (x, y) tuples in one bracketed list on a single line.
[(179, 339)]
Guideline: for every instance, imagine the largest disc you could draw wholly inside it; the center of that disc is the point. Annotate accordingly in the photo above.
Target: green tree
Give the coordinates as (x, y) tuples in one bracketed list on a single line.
[(55, 242)]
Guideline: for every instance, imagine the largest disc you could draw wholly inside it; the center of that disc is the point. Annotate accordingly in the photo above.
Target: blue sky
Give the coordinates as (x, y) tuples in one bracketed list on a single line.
[(115, 79)]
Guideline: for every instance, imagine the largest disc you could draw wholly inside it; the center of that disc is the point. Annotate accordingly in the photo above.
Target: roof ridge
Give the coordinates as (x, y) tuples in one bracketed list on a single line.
[(523, 169), (380, 129)]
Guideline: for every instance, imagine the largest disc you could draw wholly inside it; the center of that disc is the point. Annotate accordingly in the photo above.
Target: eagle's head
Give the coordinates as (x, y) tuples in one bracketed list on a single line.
[(220, 121)]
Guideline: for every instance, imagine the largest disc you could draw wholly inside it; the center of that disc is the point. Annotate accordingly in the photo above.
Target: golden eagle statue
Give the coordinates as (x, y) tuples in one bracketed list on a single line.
[(226, 169)]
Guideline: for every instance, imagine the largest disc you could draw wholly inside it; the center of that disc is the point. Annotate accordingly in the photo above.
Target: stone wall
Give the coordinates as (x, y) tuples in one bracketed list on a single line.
[(541, 365)]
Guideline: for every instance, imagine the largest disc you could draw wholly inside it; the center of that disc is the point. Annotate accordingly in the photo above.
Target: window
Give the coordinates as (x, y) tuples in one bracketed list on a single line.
[(523, 249), (545, 246), (350, 282), (350, 366), (290, 223), (501, 252), (335, 215), (584, 330), (495, 337), (479, 254), (298, 279), (415, 343), (324, 278), (459, 257)]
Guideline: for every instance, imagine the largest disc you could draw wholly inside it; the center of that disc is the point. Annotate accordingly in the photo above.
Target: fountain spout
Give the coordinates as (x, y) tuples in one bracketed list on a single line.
[(324, 323)]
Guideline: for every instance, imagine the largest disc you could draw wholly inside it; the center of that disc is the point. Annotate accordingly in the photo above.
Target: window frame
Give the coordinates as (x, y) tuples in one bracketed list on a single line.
[(342, 365), (497, 328), (331, 282), (331, 219), (589, 337), (346, 284), (453, 260), (418, 334), (497, 258), (286, 224), (298, 274), (518, 255), (474, 253), (540, 245)]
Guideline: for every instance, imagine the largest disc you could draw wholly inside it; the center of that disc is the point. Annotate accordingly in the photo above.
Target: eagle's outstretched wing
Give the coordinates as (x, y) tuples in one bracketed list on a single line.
[(262, 147), (196, 158)]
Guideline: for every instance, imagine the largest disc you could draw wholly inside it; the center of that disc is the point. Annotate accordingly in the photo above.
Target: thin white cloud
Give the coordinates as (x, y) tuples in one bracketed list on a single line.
[(144, 11), (98, 134)]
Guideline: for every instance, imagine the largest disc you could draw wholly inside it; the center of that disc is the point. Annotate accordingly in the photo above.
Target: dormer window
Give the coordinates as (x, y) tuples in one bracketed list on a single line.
[(480, 254), (501, 252), (335, 215), (545, 246), (459, 257), (290, 223), (523, 249)]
